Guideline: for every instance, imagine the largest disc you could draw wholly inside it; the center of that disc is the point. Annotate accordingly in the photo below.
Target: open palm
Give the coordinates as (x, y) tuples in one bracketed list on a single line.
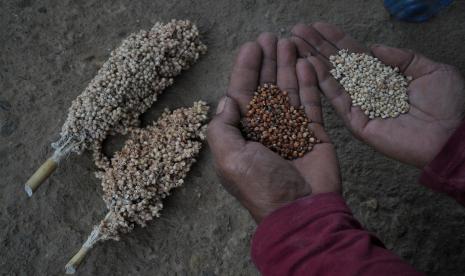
[(261, 179), (436, 96)]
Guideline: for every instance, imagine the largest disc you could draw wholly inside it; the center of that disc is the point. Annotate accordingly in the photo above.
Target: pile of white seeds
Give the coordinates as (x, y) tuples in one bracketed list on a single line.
[(379, 90), (153, 161), (128, 83)]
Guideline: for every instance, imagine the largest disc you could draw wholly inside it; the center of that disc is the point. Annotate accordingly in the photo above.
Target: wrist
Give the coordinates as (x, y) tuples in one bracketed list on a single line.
[(260, 215), (440, 146)]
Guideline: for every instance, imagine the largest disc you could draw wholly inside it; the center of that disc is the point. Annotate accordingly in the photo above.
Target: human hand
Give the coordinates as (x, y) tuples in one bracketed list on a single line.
[(259, 178), (436, 96)]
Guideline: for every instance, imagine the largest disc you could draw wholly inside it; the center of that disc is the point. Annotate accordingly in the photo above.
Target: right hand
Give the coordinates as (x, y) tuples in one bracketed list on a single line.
[(436, 96), (259, 178)]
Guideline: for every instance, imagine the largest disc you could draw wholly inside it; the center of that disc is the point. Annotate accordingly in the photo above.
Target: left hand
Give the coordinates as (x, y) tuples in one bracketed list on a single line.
[(436, 96)]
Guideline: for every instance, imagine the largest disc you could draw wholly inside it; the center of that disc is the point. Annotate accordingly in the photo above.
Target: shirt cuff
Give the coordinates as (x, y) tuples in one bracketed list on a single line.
[(446, 173), (292, 217)]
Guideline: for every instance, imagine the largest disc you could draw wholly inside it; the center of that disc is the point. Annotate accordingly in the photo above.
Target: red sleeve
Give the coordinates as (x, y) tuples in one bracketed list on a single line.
[(446, 173), (317, 235)]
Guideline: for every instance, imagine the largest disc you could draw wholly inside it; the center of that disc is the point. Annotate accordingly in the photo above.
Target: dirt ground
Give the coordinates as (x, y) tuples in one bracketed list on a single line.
[(51, 49)]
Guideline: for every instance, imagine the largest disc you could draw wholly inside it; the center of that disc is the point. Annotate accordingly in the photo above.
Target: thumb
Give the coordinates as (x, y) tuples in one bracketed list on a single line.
[(408, 62), (223, 134)]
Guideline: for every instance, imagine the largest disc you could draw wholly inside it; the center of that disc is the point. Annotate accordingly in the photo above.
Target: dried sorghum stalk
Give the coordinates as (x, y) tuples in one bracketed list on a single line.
[(153, 161), (127, 85), (272, 121), (129, 82), (379, 90)]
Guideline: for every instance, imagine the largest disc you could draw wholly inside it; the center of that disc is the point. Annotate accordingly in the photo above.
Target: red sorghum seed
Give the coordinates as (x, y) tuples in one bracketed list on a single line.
[(272, 121)]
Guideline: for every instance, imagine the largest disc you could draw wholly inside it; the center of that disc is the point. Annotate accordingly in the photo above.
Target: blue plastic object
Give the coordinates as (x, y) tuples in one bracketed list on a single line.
[(415, 10)]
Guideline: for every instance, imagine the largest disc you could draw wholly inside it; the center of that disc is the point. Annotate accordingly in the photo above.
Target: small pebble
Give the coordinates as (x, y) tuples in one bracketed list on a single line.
[(7, 128), (372, 203), (4, 105)]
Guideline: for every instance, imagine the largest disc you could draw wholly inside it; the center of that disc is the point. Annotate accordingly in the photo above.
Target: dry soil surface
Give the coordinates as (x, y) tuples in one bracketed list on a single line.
[(51, 49)]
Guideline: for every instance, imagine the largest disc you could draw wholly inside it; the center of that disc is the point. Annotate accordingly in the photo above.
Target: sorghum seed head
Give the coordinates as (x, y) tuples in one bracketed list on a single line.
[(129, 82), (153, 161)]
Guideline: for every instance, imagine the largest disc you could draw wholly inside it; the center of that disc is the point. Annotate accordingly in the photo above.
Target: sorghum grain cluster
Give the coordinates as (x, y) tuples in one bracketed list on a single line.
[(379, 90), (153, 161), (272, 121), (129, 82)]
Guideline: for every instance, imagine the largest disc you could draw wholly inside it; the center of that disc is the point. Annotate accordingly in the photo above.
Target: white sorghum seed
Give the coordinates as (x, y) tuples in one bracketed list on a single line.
[(379, 90)]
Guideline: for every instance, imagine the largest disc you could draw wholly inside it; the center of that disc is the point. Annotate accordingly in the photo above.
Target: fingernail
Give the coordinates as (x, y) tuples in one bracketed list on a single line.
[(221, 105)]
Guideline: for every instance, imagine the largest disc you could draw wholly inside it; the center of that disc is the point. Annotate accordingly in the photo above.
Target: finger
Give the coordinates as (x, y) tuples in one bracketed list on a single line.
[(245, 75), (304, 49), (287, 78), (308, 91), (223, 134), (353, 117), (268, 43), (310, 98), (330, 86), (408, 62), (315, 39), (338, 38)]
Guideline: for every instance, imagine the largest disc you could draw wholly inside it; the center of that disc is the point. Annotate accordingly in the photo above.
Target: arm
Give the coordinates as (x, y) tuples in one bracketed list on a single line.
[(305, 227), (318, 235)]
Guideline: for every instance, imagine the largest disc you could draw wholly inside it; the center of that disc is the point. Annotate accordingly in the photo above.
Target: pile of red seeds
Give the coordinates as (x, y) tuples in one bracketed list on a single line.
[(274, 122)]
